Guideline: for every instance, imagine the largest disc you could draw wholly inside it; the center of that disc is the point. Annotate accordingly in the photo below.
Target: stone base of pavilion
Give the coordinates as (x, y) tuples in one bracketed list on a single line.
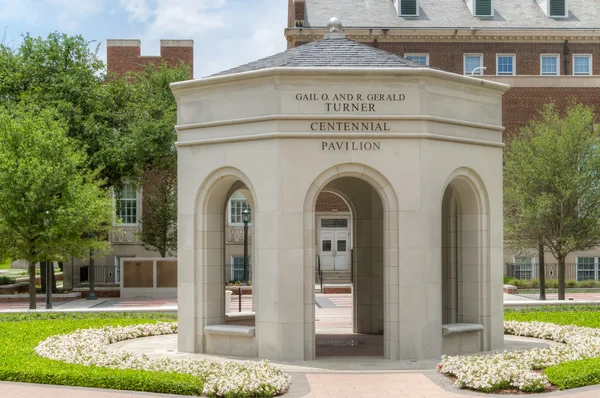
[(166, 346)]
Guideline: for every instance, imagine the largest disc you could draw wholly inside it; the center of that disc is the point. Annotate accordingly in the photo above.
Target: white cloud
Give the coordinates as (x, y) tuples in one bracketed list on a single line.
[(19, 10), (138, 10), (71, 13)]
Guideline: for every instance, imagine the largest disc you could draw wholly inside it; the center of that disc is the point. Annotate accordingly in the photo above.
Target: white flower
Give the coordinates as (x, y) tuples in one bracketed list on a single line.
[(516, 369), (90, 347)]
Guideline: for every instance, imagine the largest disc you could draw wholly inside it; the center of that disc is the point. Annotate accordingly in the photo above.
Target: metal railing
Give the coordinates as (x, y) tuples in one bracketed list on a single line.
[(105, 274), (319, 271), (531, 271)]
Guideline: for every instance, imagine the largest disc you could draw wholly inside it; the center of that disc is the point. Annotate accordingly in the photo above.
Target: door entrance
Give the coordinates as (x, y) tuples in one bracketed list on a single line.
[(334, 243)]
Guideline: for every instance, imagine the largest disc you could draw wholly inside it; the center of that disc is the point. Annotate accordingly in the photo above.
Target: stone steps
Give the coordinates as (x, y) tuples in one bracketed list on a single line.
[(336, 277)]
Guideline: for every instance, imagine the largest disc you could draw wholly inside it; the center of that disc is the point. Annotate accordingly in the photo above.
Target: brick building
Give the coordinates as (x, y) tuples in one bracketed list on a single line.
[(546, 50)]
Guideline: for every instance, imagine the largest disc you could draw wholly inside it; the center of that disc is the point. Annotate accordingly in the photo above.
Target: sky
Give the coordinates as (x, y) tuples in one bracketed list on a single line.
[(226, 33)]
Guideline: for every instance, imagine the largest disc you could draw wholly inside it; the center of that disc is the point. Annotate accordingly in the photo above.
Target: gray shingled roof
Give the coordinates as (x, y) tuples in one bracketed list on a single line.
[(508, 14), (332, 51)]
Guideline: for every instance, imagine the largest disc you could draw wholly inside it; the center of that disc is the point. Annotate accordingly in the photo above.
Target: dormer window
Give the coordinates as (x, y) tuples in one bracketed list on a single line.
[(407, 8), (554, 8), (481, 8)]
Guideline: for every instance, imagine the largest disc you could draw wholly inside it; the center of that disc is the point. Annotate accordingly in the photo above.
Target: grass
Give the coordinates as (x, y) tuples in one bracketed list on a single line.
[(20, 334), (4, 263), (570, 374)]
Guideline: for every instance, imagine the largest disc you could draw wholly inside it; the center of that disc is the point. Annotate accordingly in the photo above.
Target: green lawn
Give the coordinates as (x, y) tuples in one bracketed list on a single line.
[(570, 374), (4, 263), (20, 334)]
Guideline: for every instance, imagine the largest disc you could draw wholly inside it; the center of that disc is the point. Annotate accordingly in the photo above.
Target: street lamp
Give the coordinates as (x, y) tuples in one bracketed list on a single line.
[(92, 273), (246, 220), (483, 68)]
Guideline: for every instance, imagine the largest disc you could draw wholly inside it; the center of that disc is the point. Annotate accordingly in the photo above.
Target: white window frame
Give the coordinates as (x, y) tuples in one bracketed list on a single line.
[(514, 64), (532, 262), (589, 57), (426, 55), (557, 56), (234, 224), (138, 206), (596, 267), (480, 71), (232, 265)]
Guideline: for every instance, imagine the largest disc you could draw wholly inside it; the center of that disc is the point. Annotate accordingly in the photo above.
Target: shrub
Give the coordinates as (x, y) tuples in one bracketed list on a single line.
[(6, 280), (552, 283), (575, 374), (535, 283), (571, 283), (588, 284)]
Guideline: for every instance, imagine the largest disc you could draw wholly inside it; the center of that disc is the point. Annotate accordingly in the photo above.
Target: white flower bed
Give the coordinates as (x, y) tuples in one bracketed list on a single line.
[(90, 347), (516, 369)]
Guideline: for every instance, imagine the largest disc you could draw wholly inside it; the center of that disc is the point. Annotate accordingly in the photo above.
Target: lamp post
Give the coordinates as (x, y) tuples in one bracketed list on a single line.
[(483, 68), (246, 220), (92, 274), (48, 284)]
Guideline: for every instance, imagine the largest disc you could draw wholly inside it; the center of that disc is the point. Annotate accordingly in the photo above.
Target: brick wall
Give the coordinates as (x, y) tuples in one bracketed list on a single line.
[(125, 55), (330, 202), (521, 104)]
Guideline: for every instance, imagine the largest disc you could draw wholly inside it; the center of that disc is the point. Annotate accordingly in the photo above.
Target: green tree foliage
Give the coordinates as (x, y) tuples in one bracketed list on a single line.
[(551, 185), (50, 201), (123, 123), (159, 220)]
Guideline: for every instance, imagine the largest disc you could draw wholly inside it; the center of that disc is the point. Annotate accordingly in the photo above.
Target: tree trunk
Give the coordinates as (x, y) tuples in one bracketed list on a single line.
[(542, 271), (32, 293), (561, 278)]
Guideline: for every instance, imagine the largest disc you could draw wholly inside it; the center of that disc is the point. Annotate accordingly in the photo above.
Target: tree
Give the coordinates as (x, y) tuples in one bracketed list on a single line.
[(50, 201), (159, 220), (551, 185)]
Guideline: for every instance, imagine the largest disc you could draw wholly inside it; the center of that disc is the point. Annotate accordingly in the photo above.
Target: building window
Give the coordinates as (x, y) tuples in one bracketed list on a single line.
[(558, 8), (549, 65), (420, 58), (483, 8), (237, 268), (587, 268), (523, 267), (407, 8), (126, 203), (505, 64), (582, 65), (473, 64), (237, 204)]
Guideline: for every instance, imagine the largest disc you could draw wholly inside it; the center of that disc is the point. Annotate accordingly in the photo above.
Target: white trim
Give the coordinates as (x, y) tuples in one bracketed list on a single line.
[(480, 71), (426, 55), (514, 64), (590, 64), (557, 56)]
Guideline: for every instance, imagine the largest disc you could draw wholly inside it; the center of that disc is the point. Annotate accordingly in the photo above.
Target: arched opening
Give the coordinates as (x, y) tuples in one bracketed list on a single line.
[(359, 243), (220, 239), (466, 284)]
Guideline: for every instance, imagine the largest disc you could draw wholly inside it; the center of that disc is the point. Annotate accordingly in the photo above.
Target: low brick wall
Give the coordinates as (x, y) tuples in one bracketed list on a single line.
[(510, 289), (99, 292), (337, 290), (40, 298), (235, 290), (14, 288)]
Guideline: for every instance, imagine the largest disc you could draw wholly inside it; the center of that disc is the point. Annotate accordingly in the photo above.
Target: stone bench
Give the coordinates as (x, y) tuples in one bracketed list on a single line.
[(235, 340), (461, 338)]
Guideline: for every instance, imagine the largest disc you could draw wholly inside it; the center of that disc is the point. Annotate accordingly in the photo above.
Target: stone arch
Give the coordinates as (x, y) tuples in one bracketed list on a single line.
[(389, 202), (209, 238), (466, 263)]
